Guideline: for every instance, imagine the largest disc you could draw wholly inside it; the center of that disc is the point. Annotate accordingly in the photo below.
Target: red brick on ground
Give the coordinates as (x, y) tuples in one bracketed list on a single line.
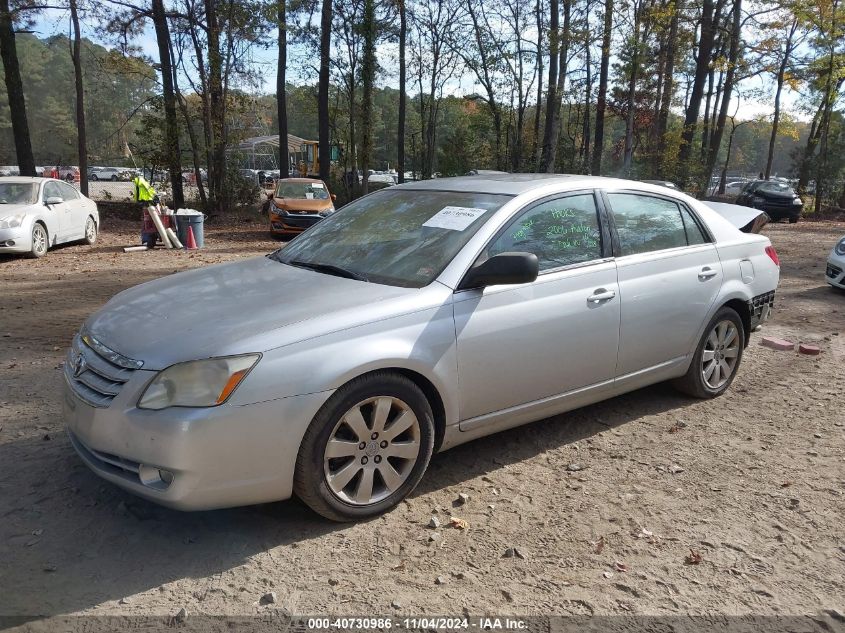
[(779, 344), (812, 350)]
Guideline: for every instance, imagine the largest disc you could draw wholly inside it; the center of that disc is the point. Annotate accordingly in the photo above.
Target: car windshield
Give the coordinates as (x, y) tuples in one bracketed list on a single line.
[(399, 237), (775, 187), (18, 193), (302, 190)]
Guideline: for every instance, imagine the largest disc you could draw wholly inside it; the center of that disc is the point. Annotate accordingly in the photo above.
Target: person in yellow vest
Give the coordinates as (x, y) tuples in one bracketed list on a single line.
[(143, 191), (144, 194)]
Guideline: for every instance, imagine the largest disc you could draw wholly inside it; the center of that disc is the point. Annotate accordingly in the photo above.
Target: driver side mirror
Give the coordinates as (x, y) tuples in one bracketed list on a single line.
[(334, 197), (54, 200), (504, 268)]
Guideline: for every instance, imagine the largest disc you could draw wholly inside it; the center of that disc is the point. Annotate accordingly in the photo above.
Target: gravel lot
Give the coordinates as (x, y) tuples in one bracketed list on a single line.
[(732, 506)]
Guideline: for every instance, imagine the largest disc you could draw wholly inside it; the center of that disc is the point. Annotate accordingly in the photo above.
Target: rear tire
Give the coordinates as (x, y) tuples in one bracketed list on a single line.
[(366, 449), (717, 357)]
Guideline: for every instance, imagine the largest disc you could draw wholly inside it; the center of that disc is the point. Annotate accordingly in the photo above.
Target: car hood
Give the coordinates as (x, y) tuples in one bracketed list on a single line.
[(302, 204), (15, 209), (230, 308)]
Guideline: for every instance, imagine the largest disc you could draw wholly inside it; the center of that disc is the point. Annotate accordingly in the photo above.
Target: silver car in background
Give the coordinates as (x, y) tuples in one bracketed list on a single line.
[(38, 213), (414, 319)]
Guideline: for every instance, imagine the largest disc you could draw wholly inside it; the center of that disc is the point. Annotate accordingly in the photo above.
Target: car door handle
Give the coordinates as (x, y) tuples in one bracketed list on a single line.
[(600, 295), (707, 273)]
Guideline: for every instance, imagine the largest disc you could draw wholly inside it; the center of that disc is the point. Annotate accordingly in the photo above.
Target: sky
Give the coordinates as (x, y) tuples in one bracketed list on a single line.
[(747, 104)]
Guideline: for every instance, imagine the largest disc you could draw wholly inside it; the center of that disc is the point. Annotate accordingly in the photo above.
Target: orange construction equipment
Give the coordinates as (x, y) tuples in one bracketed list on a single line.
[(191, 242)]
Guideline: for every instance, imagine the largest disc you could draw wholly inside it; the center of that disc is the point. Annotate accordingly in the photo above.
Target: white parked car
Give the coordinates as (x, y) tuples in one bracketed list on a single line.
[(37, 213), (835, 273)]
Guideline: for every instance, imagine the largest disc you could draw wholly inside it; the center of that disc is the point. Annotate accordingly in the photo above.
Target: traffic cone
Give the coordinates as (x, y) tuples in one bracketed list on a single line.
[(191, 244)]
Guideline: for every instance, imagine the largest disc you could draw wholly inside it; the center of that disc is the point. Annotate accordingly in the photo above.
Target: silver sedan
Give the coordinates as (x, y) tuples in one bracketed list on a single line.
[(414, 319), (37, 213)]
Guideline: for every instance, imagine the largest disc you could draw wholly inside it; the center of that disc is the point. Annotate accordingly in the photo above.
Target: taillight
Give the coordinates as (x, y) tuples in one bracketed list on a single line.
[(771, 252)]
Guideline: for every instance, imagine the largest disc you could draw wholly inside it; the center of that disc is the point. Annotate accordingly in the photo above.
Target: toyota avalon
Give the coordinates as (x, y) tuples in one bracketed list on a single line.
[(410, 321)]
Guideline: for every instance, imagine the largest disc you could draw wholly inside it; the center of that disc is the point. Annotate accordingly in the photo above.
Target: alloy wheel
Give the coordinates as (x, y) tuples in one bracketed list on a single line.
[(90, 231), (372, 450), (721, 352), (39, 240)]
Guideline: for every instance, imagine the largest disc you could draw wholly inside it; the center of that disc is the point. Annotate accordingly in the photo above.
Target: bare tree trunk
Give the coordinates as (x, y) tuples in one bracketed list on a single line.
[(14, 90), (217, 167), (550, 138), (281, 90), (324, 154), (781, 76), (368, 73), (588, 91), (81, 136), (551, 96), (537, 153), (400, 135), (171, 141), (730, 79), (192, 135), (702, 68), (601, 101), (668, 77), (628, 155)]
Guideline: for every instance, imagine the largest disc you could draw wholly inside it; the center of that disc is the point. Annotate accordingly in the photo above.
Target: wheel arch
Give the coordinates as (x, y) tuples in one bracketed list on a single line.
[(740, 306), (431, 394)]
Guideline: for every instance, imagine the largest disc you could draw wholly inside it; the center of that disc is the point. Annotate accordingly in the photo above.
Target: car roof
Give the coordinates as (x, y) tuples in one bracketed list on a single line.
[(517, 184), (299, 179), (25, 179)]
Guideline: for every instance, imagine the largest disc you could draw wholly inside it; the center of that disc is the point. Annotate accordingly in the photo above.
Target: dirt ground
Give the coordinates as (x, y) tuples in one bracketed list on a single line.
[(732, 506)]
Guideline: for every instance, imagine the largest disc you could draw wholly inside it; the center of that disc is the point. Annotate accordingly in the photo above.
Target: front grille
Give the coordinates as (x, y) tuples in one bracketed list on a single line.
[(833, 271), (301, 222), (96, 373)]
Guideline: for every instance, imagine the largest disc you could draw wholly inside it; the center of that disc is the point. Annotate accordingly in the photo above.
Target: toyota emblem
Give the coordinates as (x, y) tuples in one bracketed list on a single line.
[(79, 366)]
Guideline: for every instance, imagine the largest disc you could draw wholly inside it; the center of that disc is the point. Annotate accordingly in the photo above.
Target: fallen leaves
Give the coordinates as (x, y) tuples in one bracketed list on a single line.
[(693, 558), (458, 523)]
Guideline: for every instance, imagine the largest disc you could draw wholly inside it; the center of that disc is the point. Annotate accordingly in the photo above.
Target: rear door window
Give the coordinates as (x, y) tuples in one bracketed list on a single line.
[(647, 223)]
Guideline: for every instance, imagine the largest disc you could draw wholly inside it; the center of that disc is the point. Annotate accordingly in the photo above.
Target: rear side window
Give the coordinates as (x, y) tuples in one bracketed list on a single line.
[(693, 230), (646, 223), (560, 232)]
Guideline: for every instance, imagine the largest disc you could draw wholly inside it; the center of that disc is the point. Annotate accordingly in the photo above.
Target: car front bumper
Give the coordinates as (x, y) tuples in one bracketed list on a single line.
[(213, 457), (16, 240), (293, 222), (835, 272)]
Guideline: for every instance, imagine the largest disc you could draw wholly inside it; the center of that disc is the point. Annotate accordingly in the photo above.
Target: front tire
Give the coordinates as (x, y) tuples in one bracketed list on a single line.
[(717, 357), (366, 449), (40, 241), (90, 231)]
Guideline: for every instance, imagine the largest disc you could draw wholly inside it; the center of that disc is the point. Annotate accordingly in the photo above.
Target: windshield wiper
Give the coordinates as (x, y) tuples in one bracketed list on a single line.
[(329, 269)]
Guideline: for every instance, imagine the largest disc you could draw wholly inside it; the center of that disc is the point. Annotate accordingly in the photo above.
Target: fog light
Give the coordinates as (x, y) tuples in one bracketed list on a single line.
[(153, 477), (10, 242)]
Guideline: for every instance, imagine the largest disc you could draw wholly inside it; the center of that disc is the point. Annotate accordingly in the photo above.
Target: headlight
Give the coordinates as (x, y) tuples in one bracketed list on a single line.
[(199, 383), (797, 201), (757, 200), (840, 247), (11, 221), (327, 212)]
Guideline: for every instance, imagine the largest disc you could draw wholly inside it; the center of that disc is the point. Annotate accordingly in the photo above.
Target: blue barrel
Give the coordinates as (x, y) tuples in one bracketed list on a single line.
[(195, 221)]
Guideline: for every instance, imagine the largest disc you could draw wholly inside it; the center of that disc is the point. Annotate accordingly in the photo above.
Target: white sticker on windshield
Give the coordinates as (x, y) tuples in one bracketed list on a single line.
[(454, 218), (316, 185)]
